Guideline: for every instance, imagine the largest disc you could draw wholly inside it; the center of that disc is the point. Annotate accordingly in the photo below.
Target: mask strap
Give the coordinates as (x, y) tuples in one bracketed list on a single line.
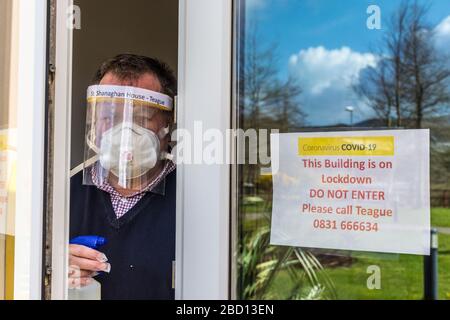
[(83, 165), (164, 132), (90, 143), (90, 161), (161, 134), (167, 156)]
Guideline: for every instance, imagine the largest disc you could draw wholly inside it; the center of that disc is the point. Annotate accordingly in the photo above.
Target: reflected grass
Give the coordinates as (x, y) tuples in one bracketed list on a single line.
[(440, 217), (401, 275)]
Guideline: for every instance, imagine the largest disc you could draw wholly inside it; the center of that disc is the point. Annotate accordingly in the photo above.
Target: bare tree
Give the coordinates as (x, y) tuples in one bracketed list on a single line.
[(395, 42), (383, 86), (411, 77), (427, 72), (268, 100), (286, 109), (376, 88)]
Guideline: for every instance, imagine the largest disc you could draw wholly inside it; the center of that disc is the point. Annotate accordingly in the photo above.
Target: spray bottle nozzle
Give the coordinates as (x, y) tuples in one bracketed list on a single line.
[(93, 242)]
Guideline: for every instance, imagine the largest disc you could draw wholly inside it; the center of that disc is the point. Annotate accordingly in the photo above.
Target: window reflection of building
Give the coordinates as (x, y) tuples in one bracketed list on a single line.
[(8, 138)]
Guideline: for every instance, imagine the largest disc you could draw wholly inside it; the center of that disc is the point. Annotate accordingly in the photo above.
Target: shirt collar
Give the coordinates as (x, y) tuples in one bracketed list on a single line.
[(156, 185)]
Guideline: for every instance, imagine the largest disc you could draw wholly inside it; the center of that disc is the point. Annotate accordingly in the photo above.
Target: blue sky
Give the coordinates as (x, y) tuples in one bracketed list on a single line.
[(329, 42)]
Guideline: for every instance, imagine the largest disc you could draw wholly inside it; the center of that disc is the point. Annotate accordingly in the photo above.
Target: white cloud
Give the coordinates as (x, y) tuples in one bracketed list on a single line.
[(320, 69), (442, 35), (326, 77)]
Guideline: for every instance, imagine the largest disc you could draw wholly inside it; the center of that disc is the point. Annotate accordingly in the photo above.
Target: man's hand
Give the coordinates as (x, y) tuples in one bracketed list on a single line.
[(84, 264)]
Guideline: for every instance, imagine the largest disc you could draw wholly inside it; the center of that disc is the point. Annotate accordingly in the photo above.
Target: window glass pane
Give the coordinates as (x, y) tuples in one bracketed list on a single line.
[(8, 145), (317, 66)]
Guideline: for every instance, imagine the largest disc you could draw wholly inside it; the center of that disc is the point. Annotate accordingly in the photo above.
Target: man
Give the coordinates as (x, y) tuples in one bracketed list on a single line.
[(126, 192)]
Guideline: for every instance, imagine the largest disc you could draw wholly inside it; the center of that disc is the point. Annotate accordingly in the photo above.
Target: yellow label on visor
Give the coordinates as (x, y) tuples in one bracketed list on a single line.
[(139, 96)]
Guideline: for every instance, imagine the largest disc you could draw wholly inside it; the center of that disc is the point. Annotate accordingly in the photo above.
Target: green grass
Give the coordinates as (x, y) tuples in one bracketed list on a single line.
[(401, 275), (440, 217)]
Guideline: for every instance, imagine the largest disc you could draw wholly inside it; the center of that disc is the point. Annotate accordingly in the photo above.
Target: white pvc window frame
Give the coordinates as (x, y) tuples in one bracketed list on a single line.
[(203, 191), (61, 160), (31, 80), (202, 230)]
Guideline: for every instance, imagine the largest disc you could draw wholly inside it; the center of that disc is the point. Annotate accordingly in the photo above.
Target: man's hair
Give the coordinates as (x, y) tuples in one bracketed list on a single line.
[(131, 67)]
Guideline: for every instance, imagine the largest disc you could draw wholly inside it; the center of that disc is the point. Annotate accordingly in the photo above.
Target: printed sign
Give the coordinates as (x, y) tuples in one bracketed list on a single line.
[(364, 191)]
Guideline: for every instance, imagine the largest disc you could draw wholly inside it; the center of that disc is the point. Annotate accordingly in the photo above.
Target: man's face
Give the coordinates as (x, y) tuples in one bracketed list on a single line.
[(147, 117)]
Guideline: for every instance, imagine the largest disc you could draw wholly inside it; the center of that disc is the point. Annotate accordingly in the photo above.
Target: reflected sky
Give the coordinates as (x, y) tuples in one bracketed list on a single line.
[(326, 43)]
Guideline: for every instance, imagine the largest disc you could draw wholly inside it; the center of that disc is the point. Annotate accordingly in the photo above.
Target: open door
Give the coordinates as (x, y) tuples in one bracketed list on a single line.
[(198, 47)]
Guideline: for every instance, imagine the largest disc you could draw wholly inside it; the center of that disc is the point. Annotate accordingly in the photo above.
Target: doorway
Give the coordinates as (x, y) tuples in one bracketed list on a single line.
[(108, 28)]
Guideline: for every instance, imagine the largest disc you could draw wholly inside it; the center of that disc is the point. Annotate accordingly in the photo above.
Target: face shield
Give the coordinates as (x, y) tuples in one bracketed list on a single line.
[(125, 129)]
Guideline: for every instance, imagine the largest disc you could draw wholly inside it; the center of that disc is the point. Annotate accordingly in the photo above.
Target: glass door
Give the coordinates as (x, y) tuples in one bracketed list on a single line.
[(333, 66)]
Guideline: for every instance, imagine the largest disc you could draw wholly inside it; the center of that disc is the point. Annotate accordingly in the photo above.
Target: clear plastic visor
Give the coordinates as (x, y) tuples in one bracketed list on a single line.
[(125, 128)]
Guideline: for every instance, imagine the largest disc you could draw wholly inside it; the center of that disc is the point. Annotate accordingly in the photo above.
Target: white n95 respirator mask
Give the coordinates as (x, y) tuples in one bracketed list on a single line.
[(129, 150)]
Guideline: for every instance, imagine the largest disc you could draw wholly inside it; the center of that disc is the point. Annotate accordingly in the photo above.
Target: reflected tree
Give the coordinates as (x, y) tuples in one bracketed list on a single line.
[(268, 101), (411, 79), (426, 70)]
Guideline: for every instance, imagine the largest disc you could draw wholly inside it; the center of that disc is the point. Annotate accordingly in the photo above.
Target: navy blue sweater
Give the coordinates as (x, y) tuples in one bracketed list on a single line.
[(141, 244)]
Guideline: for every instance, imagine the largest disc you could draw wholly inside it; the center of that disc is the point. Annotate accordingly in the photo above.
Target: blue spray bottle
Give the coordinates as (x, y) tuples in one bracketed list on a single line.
[(93, 290)]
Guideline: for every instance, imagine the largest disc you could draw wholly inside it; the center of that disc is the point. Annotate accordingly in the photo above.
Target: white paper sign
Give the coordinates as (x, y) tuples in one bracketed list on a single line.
[(364, 190)]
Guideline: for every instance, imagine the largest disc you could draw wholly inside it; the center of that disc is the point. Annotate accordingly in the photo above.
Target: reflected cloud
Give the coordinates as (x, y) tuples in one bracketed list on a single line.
[(442, 35), (327, 77), (319, 68)]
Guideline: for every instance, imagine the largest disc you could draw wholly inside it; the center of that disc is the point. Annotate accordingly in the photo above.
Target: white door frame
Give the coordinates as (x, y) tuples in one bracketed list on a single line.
[(203, 191), (61, 149)]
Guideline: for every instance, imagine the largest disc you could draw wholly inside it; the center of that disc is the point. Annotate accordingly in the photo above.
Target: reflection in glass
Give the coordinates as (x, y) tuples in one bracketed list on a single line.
[(319, 66), (8, 145)]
